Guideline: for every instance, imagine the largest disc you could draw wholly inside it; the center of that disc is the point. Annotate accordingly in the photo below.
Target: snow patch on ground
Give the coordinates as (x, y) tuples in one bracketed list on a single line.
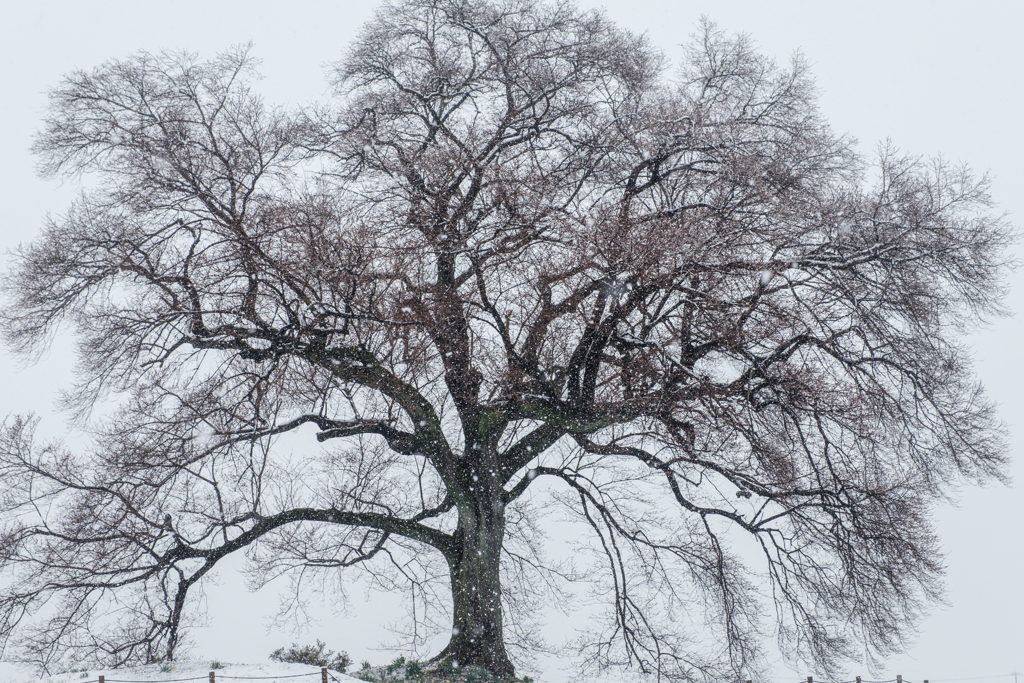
[(199, 672)]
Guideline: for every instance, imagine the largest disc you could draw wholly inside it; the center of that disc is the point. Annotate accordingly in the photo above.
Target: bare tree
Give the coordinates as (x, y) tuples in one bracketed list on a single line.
[(512, 251)]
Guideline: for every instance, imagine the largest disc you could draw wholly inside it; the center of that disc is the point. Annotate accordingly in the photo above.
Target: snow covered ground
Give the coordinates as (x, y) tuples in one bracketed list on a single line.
[(199, 672)]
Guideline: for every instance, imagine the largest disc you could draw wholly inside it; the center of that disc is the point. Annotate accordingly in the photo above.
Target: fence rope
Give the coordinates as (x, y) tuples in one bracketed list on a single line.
[(162, 680), (263, 678), (204, 678)]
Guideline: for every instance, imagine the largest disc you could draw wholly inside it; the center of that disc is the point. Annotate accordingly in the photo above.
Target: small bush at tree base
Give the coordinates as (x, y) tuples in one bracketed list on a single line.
[(314, 655), (395, 665)]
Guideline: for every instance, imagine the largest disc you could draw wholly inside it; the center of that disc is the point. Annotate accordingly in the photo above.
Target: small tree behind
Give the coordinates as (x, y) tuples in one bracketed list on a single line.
[(511, 251)]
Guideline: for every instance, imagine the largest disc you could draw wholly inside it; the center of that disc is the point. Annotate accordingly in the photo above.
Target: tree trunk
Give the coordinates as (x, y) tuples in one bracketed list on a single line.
[(477, 633)]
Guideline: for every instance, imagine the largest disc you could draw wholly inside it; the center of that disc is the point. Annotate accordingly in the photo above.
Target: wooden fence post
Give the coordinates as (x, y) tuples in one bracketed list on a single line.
[(213, 677), (323, 674), (810, 679), (104, 678), (858, 679), (899, 678)]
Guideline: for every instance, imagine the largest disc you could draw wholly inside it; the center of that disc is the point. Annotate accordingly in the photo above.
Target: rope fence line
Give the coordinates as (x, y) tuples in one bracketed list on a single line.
[(901, 679), (326, 676), (212, 678)]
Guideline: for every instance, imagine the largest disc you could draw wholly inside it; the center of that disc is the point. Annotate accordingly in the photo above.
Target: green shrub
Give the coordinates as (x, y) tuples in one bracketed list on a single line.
[(395, 665), (314, 655)]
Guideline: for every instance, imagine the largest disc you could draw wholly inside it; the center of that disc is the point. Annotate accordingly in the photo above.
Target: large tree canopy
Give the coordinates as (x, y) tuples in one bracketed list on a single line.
[(516, 266)]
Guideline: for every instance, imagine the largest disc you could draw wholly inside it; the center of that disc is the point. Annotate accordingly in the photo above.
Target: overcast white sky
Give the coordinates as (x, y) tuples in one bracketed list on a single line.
[(933, 76)]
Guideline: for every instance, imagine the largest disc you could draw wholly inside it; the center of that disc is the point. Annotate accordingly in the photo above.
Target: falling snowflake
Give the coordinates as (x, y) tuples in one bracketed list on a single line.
[(204, 436)]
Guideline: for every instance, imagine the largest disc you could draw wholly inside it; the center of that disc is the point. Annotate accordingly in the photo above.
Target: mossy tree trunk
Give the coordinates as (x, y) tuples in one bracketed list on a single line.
[(474, 564)]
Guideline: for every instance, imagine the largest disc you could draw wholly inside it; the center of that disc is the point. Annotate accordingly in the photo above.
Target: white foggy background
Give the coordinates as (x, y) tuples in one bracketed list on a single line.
[(932, 76)]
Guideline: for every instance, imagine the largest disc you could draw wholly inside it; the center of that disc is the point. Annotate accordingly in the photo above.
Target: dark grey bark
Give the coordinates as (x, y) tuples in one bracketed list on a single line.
[(475, 566)]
